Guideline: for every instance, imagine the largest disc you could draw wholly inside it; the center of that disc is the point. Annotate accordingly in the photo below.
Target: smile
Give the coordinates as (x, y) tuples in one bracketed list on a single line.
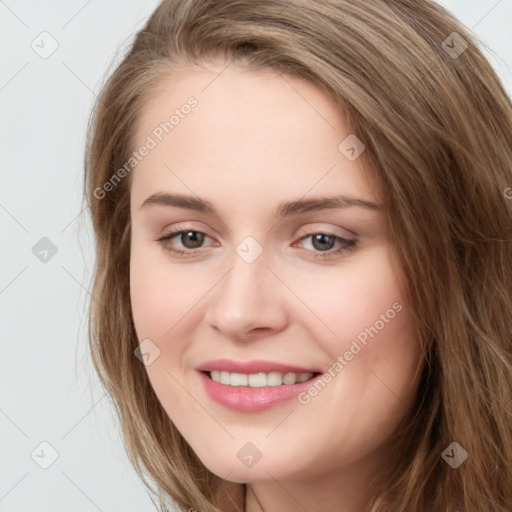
[(253, 386), (259, 380)]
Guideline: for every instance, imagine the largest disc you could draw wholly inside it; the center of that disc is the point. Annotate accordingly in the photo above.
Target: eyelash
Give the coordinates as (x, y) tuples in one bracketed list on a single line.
[(346, 245)]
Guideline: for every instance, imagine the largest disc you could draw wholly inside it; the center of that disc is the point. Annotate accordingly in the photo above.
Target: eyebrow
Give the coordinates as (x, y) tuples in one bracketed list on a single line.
[(285, 209)]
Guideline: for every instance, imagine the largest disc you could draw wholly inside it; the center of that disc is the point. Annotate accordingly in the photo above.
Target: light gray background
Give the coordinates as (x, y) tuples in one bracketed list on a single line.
[(49, 391)]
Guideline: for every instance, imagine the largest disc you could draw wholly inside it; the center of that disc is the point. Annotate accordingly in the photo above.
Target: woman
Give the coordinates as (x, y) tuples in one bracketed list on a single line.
[(303, 281)]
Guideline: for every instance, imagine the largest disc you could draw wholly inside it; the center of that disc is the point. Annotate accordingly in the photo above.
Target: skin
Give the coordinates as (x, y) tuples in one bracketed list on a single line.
[(256, 139)]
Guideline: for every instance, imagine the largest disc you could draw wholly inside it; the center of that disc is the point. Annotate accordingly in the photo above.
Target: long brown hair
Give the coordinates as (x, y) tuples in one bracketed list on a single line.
[(437, 125)]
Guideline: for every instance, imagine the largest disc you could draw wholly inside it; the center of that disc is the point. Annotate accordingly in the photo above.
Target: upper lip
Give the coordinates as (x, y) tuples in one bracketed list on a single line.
[(250, 367)]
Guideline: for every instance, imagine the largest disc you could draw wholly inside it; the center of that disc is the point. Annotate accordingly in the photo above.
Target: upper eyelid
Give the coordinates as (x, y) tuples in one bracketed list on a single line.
[(308, 231)]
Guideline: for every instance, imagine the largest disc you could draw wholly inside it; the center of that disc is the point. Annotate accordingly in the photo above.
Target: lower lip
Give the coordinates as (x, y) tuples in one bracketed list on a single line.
[(247, 399)]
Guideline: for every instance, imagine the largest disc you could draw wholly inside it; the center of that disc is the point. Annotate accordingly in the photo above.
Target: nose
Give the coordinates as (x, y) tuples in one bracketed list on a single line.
[(248, 300)]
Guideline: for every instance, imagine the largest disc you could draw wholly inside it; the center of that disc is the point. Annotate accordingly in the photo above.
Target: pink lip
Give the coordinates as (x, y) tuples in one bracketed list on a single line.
[(251, 367), (245, 398)]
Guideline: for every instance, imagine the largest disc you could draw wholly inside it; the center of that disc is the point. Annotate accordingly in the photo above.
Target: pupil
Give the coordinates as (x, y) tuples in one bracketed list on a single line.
[(196, 237), (321, 237)]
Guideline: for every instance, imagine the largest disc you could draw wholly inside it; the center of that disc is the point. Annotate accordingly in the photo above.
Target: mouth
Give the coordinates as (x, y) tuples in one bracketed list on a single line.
[(260, 379), (257, 385)]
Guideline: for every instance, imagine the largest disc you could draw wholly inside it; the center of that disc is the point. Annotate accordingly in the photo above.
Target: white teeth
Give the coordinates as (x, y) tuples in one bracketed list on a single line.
[(259, 380), (238, 379), (274, 379), (290, 378)]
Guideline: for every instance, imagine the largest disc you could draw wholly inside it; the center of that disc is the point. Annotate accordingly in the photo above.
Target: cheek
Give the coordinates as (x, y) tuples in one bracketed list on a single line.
[(162, 295), (366, 321), (353, 297), (162, 305)]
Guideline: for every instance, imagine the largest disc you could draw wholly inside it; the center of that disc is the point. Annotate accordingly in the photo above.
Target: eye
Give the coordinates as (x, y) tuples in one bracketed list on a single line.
[(190, 238), (322, 243)]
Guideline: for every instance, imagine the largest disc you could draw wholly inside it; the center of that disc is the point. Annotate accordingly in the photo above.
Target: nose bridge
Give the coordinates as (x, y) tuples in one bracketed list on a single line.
[(246, 284), (247, 298)]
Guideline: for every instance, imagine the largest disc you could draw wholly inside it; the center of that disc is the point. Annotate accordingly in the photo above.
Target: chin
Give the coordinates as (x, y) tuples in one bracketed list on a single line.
[(241, 469)]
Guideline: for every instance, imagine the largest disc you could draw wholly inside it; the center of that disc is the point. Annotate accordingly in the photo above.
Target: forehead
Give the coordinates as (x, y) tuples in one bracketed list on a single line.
[(236, 96), (250, 130)]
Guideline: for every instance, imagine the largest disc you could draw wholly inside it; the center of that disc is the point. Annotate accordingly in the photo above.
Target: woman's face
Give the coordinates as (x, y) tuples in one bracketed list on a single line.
[(265, 294)]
